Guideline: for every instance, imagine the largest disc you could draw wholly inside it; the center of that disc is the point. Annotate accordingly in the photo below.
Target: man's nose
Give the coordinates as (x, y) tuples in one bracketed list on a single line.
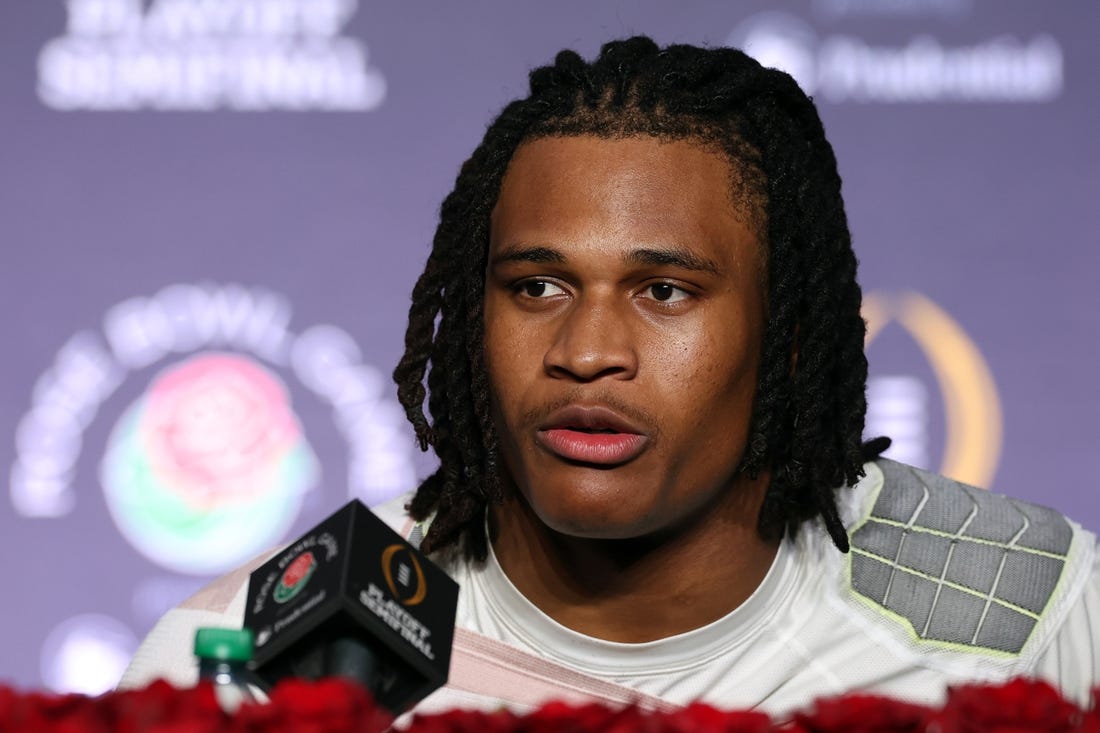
[(594, 340)]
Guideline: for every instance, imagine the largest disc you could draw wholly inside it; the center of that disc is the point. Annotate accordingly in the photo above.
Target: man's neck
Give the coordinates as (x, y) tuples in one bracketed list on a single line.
[(640, 589)]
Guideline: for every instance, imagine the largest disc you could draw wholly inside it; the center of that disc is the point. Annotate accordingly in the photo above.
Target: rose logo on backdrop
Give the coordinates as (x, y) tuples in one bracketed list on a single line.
[(209, 466), (225, 332)]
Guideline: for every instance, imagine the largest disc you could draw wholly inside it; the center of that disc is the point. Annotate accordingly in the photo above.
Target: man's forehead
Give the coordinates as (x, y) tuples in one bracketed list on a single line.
[(668, 192), (743, 182)]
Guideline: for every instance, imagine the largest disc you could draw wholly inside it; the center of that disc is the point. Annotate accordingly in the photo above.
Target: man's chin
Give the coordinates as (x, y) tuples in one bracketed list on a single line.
[(585, 509), (592, 524)]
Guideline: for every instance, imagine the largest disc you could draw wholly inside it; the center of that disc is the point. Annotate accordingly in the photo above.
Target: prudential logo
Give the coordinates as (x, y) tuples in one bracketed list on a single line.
[(840, 68)]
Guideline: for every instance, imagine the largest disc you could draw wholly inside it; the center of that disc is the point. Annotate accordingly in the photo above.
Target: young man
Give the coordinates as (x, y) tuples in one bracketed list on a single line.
[(640, 334)]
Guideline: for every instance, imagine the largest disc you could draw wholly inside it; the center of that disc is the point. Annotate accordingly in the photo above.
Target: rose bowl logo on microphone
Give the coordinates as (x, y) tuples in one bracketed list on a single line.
[(209, 466), (295, 577)]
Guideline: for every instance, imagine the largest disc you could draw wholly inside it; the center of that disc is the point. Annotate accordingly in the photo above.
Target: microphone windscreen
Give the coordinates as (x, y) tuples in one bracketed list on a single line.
[(351, 597)]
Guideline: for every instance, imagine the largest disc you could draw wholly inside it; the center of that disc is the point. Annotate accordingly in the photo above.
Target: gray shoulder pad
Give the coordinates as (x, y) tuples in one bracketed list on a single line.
[(961, 565)]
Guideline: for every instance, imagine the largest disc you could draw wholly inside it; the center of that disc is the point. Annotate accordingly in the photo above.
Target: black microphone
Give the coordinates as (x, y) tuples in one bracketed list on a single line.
[(352, 598)]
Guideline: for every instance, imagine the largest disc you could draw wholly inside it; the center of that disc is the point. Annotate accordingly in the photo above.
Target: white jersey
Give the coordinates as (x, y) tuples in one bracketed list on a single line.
[(945, 584)]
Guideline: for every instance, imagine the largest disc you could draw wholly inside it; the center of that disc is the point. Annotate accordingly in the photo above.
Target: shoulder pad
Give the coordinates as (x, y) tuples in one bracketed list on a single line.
[(960, 565)]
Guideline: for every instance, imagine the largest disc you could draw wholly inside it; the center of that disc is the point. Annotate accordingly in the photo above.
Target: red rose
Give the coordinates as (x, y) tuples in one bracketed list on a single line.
[(1018, 706), (465, 721), (559, 716), (333, 705), (160, 708), (701, 718), (57, 707), (696, 718), (340, 706), (857, 713), (9, 706)]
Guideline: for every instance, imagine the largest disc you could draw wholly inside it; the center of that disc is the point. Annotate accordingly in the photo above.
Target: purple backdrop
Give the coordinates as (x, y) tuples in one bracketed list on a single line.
[(212, 214)]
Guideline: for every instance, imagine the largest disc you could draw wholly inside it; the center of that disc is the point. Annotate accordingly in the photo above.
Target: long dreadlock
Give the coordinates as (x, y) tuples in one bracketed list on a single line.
[(809, 406)]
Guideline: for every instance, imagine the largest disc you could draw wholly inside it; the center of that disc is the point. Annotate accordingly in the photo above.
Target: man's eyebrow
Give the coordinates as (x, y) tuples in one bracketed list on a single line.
[(674, 256), (524, 253)]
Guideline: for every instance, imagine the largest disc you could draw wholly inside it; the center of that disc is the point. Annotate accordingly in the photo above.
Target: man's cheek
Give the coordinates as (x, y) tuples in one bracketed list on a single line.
[(504, 421)]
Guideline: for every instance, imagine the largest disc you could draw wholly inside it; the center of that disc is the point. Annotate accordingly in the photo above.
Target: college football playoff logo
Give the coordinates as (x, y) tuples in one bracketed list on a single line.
[(404, 576)]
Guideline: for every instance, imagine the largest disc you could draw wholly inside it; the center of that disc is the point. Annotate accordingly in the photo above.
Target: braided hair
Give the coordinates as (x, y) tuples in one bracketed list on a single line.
[(808, 411)]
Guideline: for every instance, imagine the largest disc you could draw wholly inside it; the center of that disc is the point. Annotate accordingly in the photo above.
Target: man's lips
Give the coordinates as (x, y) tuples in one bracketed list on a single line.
[(597, 435)]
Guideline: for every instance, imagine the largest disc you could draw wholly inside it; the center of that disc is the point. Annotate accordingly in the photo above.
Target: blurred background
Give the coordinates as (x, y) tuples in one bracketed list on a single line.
[(212, 213)]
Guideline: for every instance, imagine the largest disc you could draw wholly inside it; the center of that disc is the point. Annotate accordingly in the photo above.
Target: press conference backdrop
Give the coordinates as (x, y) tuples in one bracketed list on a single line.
[(212, 213)]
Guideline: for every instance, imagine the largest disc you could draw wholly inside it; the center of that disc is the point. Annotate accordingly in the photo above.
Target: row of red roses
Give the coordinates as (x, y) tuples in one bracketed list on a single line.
[(336, 706)]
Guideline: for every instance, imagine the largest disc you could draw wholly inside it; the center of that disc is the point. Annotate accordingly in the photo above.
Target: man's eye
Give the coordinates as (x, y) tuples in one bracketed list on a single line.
[(539, 289), (666, 293)]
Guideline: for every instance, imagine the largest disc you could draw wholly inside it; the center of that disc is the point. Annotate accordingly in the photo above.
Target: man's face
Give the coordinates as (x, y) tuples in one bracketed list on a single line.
[(624, 312)]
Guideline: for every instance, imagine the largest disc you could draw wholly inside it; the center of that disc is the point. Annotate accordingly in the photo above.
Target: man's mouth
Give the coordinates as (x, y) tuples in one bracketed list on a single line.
[(595, 435)]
